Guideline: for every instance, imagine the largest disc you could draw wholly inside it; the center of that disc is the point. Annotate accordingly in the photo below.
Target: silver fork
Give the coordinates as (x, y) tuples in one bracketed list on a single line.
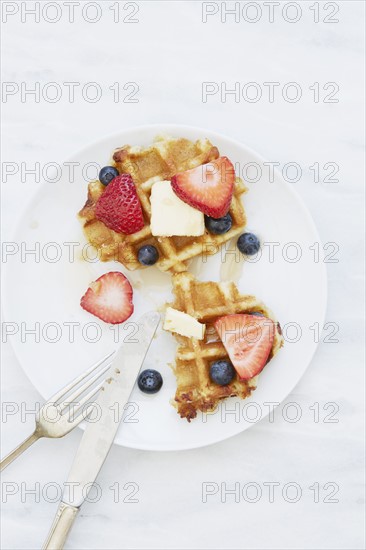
[(56, 417)]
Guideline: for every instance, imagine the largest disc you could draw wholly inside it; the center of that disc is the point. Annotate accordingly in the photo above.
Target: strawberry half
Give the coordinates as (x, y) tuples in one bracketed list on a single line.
[(119, 207), (248, 339), (208, 188), (109, 298)]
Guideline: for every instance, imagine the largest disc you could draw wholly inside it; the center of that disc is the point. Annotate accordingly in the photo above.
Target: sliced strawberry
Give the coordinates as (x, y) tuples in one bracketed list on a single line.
[(248, 340), (109, 298), (209, 187), (119, 207)]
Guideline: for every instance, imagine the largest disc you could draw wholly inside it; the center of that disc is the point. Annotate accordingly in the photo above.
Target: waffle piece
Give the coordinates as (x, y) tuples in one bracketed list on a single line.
[(206, 301), (161, 161)]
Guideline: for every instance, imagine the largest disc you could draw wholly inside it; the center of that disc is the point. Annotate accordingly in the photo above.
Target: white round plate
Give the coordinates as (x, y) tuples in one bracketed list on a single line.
[(42, 291)]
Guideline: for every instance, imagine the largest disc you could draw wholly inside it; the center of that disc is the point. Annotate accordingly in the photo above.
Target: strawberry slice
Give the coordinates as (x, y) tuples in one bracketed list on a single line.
[(208, 188), (119, 207), (109, 298), (248, 340)]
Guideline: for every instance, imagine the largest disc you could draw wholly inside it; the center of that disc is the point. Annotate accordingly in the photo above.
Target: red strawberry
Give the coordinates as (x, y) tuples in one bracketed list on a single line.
[(209, 187), (119, 207), (248, 340), (109, 298)]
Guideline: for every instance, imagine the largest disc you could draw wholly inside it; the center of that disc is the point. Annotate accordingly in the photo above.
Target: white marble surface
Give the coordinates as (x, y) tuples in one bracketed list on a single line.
[(169, 53)]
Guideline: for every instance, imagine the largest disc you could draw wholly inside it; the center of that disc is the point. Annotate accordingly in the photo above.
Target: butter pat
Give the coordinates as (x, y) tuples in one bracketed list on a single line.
[(170, 216), (184, 324)]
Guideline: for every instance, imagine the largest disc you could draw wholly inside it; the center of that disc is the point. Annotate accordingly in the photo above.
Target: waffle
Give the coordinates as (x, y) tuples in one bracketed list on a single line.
[(161, 161), (206, 301)]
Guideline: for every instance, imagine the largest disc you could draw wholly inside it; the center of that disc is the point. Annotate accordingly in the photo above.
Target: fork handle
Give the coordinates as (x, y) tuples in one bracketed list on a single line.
[(61, 526), (18, 450)]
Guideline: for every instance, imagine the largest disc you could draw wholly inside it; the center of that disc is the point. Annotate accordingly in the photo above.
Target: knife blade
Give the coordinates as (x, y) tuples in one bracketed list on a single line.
[(99, 435)]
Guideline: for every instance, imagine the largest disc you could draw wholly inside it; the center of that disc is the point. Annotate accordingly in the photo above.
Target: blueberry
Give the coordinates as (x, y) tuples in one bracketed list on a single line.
[(218, 226), (257, 313), (150, 381), (222, 372), (248, 244), (107, 174), (148, 255)]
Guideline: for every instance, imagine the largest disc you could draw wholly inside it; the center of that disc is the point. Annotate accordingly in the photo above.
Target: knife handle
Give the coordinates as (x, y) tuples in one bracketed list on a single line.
[(61, 526)]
